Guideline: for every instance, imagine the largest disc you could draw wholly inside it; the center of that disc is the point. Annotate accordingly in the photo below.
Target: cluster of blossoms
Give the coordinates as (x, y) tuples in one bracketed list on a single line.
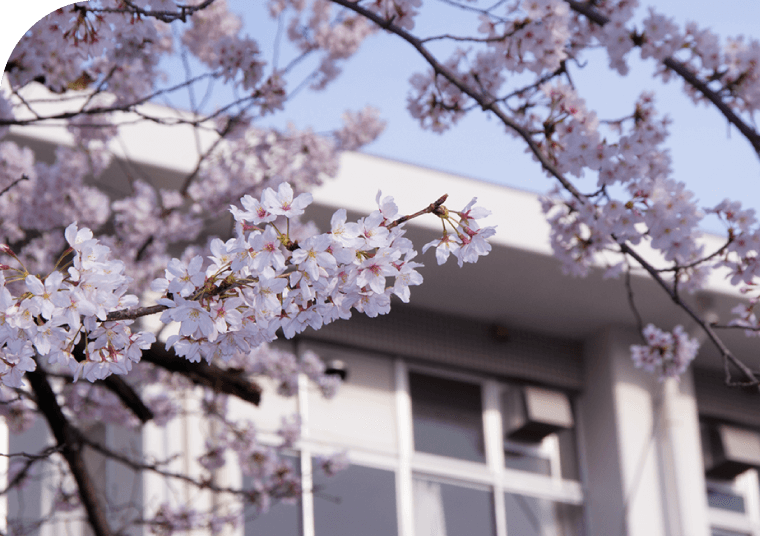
[(52, 316), (213, 38), (656, 208), (665, 353), (745, 317), (537, 41), (730, 67), (56, 47), (261, 281), (258, 282)]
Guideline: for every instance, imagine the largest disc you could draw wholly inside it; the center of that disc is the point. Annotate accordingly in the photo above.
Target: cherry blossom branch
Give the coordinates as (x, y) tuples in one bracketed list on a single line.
[(735, 326), (587, 9), (436, 208), (70, 441), (162, 15), (99, 110), (705, 326), (703, 260), (485, 101), (488, 103), (562, 69)]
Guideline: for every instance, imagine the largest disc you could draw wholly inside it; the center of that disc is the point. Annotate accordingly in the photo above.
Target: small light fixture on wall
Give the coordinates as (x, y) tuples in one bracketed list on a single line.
[(336, 367), (499, 333)]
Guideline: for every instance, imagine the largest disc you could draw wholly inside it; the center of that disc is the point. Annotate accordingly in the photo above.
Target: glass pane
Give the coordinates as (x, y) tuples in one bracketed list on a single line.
[(568, 454), (283, 518), (448, 417), (517, 459), (446, 509), (529, 516), (357, 500), (725, 500)]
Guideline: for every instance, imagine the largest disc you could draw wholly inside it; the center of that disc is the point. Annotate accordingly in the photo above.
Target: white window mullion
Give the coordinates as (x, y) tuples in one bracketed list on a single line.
[(404, 498), (494, 443), (307, 477), (550, 446)]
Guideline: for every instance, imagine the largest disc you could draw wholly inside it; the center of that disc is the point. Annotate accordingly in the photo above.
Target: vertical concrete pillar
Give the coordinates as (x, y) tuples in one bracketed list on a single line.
[(642, 446), (681, 456)]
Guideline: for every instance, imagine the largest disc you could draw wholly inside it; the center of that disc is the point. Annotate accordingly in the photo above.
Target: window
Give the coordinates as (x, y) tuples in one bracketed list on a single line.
[(732, 483), (470, 478), (356, 497), (436, 459)]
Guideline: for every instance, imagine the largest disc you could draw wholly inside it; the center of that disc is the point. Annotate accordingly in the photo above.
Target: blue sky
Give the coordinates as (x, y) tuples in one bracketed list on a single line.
[(714, 160)]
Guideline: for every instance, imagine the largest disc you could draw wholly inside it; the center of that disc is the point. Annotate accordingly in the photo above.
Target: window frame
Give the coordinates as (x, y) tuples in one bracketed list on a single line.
[(746, 485), (406, 463), (493, 473)]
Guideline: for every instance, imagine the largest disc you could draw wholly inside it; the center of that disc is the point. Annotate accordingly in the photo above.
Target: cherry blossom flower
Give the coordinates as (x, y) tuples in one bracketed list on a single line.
[(282, 202)]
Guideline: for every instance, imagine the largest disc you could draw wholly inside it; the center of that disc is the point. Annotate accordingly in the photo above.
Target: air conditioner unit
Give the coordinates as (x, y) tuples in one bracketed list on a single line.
[(531, 413), (730, 451)]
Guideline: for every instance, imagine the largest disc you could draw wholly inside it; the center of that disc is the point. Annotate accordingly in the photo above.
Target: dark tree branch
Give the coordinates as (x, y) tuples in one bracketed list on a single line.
[(97, 110), (70, 441), (128, 397), (132, 314), (231, 382)]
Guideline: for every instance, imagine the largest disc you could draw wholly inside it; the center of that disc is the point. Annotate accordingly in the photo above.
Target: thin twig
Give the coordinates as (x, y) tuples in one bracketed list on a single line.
[(432, 208), (23, 177)]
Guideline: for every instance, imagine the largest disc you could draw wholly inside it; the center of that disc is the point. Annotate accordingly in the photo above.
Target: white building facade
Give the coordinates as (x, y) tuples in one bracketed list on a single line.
[(502, 401)]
